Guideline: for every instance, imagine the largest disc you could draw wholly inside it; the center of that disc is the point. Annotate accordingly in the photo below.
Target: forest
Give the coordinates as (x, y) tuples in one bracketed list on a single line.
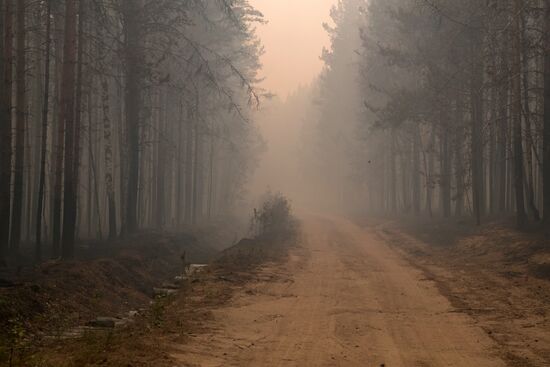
[(275, 183), (122, 115), (437, 107)]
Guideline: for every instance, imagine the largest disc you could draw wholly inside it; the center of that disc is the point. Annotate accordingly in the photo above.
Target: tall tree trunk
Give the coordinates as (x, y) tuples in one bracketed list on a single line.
[(44, 138), (546, 143), (179, 168), (122, 159), (502, 130), (211, 171), (35, 122), (445, 168), (430, 173), (21, 65), (197, 179), (459, 164), (416, 171), (529, 179), (96, 190), (476, 96), (27, 182), (131, 9), (189, 167), (517, 130), (492, 171), (58, 141), (107, 134), (5, 123), (89, 201), (161, 163), (405, 165), (393, 174), (78, 103), (67, 105)]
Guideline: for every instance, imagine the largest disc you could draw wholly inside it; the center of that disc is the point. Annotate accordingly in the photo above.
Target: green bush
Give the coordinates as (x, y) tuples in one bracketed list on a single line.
[(274, 220)]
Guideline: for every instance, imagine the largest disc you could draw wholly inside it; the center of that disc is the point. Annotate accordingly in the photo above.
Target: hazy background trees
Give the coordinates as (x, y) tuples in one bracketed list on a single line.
[(437, 107)]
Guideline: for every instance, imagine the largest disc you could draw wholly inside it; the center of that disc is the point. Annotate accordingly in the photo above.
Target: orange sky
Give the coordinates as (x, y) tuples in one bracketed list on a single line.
[(293, 40)]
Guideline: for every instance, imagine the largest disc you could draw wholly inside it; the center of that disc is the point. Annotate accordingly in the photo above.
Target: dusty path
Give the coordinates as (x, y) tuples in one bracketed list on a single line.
[(344, 299)]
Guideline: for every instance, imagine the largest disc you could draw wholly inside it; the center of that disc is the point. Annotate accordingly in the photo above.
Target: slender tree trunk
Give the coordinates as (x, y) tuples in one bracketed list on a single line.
[(430, 174), (59, 141), (393, 174), (502, 129), (89, 201), (122, 160), (493, 201), (445, 168), (5, 123), (35, 122), (546, 143), (78, 105), (529, 180), (132, 99), (459, 164), (189, 168), (211, 172), (27, 182), (179, 168), (161, 162), (44, 138), (68, 105), (96, 191), (476, 96), (406, 166), (197, 207), (517, 130), (19, 129), (416, 171), (109, 185)]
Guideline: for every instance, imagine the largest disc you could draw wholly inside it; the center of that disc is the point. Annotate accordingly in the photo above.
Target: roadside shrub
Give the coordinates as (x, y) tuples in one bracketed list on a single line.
[(274, 220)]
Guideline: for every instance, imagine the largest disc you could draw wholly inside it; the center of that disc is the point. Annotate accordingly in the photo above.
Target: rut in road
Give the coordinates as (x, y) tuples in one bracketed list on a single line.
[(343, 299)]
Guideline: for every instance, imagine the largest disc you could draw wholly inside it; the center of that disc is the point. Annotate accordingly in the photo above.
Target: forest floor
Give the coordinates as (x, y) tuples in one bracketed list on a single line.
[(44, 307), (498, 276), (374, 294)]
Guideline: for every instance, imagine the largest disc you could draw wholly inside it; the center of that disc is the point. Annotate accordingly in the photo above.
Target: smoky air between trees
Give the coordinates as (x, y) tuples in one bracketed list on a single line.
[(150, 178), (153, 115), (431, 109)]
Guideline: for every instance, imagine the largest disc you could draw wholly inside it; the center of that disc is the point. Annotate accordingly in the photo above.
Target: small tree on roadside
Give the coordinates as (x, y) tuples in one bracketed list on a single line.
[(274, 220)]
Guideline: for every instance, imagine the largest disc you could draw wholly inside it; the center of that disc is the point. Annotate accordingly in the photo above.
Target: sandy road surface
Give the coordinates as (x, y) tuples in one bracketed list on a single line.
[(344, 299)]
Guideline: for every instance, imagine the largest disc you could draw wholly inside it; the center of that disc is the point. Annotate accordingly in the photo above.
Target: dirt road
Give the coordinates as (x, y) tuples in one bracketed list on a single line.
[(343, 299)]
